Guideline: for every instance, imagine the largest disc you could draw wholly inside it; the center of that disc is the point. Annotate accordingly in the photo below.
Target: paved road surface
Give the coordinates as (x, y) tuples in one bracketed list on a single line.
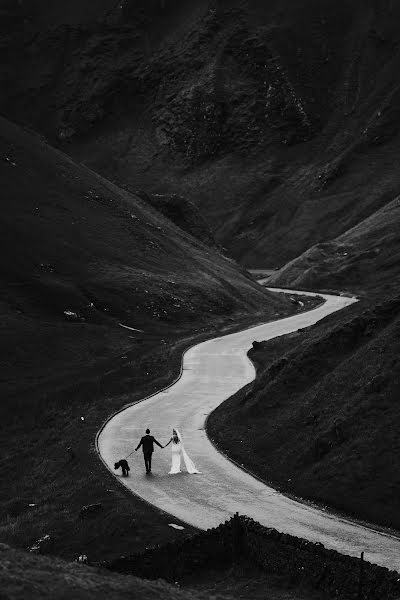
[(213, 371)]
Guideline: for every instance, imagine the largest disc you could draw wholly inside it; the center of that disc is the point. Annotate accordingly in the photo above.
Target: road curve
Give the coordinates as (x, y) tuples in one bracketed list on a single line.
[(211, 372)]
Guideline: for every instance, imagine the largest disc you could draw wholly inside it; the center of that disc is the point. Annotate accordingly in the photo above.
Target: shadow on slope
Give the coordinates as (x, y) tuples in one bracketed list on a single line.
[(183, 213)]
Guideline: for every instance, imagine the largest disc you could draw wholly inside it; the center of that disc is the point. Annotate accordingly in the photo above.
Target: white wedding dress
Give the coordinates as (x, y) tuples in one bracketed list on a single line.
[(179, 452)]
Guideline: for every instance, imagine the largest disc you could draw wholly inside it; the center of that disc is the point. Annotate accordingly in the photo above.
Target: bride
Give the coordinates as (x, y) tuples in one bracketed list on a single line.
[(178, 452)]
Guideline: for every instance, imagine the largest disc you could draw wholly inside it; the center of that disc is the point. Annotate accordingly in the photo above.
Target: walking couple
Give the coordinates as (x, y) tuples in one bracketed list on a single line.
[(178, 452)]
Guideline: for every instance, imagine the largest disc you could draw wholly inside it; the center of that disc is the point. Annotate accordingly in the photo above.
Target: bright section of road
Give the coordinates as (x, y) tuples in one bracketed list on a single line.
[(212, 372)]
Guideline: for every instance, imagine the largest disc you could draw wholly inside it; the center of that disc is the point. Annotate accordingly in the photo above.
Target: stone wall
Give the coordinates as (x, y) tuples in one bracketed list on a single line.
[(339, 575)]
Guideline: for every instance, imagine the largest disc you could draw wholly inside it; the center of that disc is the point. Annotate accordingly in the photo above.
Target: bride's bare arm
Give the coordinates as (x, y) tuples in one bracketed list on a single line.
[(168, 443)]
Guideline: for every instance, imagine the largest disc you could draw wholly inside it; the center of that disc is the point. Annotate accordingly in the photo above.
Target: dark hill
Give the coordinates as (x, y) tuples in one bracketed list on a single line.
[(333, 391), (278, 119), (71, 242), (364, 257)]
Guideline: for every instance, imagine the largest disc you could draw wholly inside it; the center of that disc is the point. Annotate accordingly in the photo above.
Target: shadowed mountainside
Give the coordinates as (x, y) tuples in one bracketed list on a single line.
[(79, 256), (278, 119)]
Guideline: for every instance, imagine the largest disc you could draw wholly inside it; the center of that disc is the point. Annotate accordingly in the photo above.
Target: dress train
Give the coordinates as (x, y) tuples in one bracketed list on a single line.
[(178, 452)]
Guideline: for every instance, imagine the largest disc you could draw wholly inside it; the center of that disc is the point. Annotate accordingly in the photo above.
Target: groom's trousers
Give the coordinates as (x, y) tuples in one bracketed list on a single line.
[(147, 461)]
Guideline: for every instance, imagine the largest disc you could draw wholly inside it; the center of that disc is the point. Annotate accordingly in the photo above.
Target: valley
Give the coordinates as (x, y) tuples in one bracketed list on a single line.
[(151, 155)]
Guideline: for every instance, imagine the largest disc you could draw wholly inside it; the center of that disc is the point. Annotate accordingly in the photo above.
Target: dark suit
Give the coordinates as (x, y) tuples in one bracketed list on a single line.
[(147, 442)]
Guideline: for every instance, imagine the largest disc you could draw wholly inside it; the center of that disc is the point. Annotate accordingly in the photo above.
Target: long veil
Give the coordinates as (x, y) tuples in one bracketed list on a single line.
[(189, 464)]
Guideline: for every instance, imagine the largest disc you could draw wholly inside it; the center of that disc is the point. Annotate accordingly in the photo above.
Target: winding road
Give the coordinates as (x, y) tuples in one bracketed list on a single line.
[(211, 372)]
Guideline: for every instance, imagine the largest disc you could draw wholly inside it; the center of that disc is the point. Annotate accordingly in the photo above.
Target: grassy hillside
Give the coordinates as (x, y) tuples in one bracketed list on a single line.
[(25, 575), (366, 256), (332, 390), (279, 120), (72, 242), (78, 258)]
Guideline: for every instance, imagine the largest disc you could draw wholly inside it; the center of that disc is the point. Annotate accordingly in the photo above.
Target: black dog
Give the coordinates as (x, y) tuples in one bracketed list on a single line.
[(124, 466)]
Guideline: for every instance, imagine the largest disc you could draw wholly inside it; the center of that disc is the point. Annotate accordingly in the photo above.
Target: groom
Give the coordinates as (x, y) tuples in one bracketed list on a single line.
[(147, 442)]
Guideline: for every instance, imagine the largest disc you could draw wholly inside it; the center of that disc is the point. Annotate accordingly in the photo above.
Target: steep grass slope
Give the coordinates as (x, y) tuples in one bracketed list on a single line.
[(278, 119), (322, 418), (364, 257), (25, 575), (71, 242)]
